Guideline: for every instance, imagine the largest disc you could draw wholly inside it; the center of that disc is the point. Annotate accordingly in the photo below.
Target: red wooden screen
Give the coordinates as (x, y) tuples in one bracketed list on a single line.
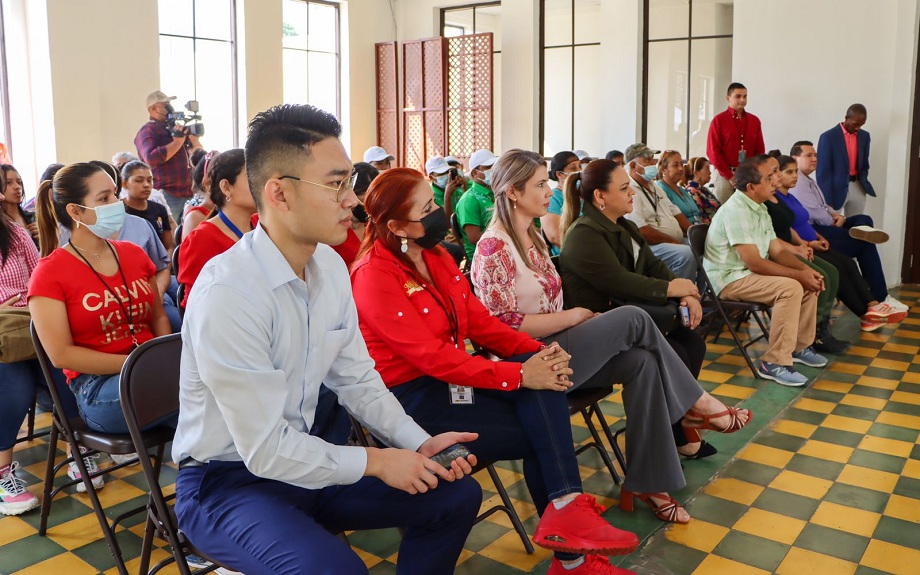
[(423, 101), (469, 94), (387, 98)]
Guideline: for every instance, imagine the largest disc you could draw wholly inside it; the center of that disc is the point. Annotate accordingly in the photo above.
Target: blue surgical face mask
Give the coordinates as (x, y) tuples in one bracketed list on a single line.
[(651, 172), (487, 177), (441, 181), (109, 219)]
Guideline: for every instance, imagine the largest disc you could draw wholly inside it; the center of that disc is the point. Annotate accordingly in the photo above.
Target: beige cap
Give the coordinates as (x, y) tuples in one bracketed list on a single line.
[(157, 97)]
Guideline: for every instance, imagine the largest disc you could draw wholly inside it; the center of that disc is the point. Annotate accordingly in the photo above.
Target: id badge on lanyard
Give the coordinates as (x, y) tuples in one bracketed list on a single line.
[(461, 395)]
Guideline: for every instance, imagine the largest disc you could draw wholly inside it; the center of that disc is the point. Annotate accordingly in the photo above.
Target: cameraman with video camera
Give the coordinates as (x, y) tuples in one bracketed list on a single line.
[(166, 146)]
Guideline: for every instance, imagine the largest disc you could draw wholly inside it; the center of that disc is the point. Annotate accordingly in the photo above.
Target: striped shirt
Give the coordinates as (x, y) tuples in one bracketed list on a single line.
[(739, 221), (17, 269)]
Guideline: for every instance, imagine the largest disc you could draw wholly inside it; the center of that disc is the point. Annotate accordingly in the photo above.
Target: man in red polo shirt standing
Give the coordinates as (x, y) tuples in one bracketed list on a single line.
[(733, 136)]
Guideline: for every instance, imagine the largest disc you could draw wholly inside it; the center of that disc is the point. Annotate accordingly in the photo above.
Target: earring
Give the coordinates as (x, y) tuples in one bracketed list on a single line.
[(404, 245), (513, 205), (603, 207), (227, 198)]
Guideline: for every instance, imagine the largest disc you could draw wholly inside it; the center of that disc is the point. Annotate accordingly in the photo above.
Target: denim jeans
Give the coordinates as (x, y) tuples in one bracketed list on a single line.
[(18, 384), (97, 400), (679, 258)]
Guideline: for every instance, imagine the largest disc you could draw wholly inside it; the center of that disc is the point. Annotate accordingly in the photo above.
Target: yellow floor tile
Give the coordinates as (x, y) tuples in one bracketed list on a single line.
[(715, 565), (732, 360), (844, 367), (911, 469), (887, 446), (65, 563), (796, 428), (800, 484), (815, 405), (868, 478), (878, 382), (900, 348), (715, 376), (507, 549), (891, 558), (905, 397), (697, 534), (115, 492), (876, 403), (908, 334), (734, 490), (848, 519), (77, 532), (369, 558), (860, 426), (804, 562), (766, 455), (890, 364), (829, 451), (862, 351), (14, 529), (899, 419), (525, 509), (910, 376), (835, 386), (735, 391), (770, 525), (904, 508)]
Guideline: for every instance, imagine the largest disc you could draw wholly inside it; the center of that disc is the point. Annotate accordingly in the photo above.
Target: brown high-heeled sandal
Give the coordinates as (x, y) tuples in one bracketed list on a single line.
[(696, 420), (667, 512)]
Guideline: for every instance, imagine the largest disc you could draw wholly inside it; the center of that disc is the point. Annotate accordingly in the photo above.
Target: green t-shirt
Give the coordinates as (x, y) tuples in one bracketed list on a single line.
[(439, 196), (474, 209)]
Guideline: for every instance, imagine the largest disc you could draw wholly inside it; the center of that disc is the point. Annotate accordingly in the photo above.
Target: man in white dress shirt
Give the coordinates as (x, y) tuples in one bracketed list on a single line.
[(264, 481)]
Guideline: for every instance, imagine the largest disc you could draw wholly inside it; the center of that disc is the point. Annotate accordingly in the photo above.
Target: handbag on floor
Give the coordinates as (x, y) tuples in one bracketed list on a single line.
[(15, 341)]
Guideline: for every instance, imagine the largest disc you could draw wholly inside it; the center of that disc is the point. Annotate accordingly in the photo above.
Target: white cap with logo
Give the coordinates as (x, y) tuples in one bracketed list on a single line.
[(437, 165), (377, 154), (482, 158)]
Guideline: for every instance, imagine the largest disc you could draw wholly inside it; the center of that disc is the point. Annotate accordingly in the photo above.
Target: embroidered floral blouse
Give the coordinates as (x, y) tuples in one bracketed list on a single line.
[(507, 287)]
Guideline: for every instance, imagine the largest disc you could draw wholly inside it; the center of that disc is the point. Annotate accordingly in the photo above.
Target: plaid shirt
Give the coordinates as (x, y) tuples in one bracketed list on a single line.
[(17, 269), (739, 221), (173, 176)]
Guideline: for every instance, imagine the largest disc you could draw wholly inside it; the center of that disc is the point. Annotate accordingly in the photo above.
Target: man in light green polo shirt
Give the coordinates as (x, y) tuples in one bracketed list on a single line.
[(474, 210), (746, 262)]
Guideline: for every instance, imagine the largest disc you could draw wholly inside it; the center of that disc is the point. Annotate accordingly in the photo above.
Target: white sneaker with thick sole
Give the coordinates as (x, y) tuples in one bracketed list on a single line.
[(868, 234), (74, 472), (14, 496), (895, 304)]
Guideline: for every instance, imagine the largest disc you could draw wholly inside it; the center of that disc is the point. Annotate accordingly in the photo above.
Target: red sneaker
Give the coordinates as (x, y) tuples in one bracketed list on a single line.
[(579, 528), (593, 565)]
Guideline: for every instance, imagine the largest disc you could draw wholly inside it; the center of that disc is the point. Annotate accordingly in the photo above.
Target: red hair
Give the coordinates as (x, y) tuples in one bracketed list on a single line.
[(389, 197)]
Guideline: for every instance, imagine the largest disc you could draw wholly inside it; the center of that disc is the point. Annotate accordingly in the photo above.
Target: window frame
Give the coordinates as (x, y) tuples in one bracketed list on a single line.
[(234, 65), (646, 5), (337, 53), (542, 82), (4, 88)]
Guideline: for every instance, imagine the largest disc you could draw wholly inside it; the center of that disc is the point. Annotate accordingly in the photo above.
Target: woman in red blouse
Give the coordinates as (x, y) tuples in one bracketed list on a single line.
[(416, 310), (230, 194), (518, 284), (201, 185)]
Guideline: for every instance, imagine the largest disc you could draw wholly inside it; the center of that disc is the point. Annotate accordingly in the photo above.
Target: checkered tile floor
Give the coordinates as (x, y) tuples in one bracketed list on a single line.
[(826, 480)]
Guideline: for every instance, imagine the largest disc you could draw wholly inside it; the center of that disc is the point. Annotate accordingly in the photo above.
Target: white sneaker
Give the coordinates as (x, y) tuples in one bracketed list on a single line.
[(868, 234), (119, 459), (14, 496), (90, 461), (896, 304)]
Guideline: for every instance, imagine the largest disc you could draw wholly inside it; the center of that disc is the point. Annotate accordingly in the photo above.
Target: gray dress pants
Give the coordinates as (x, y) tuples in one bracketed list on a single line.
[(624, 346)]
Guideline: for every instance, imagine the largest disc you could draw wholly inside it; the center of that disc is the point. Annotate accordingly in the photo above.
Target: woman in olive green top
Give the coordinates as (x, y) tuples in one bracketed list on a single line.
[(605, 262)]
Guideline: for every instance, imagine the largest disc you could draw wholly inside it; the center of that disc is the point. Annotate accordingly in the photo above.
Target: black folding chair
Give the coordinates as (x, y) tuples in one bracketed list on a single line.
[(174, 263), (723, 307), (30, 428), (149, 394), (75, 432)]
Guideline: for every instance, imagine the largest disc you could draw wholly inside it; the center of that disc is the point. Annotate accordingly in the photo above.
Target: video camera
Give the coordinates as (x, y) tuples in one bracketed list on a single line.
[(181, 124)]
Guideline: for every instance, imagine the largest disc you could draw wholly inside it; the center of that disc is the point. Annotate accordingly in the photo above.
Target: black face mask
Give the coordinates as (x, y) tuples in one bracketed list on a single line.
[(359, 213), (436, 228)]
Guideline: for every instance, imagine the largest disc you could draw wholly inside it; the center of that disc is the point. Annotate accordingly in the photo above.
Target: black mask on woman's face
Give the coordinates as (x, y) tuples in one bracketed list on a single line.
[(436, 227), (359, 213)]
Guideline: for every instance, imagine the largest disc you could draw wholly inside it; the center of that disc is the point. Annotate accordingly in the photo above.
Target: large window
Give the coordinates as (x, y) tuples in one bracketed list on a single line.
[(478, 19), (311, 54), (5, 137), (571, 94), (688, 66), (198, 62)]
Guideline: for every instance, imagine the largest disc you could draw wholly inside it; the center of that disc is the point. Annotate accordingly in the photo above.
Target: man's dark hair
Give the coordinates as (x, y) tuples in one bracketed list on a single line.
[(734, 86), (50, 171), (613, 154), (283, 136), (856, 110), (796, 149), (748, 172)]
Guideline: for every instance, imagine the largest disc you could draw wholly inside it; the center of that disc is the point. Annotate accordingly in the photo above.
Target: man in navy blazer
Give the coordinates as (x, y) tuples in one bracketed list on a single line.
[(843, 163)]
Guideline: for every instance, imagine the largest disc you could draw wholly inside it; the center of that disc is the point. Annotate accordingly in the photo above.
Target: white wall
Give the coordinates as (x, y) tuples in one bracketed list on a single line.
[(804, 63)]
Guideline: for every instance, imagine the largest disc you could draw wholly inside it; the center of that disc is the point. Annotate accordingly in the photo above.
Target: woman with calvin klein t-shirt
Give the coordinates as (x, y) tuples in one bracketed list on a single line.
[(92, 300)]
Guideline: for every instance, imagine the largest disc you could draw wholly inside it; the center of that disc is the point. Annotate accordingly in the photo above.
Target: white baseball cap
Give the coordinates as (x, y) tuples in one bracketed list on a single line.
[(581, 155), (451, 160), (482, 158), (437, 165), (377, 154)]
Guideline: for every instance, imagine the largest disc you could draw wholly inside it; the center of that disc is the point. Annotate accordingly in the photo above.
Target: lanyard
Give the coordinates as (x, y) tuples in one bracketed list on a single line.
[(653, 199), (229, 224), (126, 311)]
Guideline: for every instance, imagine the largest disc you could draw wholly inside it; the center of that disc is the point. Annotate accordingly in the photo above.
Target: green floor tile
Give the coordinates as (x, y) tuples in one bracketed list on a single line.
[(716, 510), (752, 472), (477, 565), (858, 497), (804, 416), (832, 542), (909, 387), (915, 452), (863, 570), (483, 533), (837, 437), (99, 555), (898, 531), (788, 504), (903, 408), (27, 551), (816, 467), (908, 487), (63, 509), (883, 373), (780, 440), (839, 376), (383, 568), (855, 412), (823, 395), (895, 356), (866, 391), (752, 550), (894, 432), (880, 461), (664, 556), (380, 542)]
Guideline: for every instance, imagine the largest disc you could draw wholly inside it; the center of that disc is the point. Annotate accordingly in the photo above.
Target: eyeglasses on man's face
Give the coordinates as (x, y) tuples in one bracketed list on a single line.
[(341, 189)]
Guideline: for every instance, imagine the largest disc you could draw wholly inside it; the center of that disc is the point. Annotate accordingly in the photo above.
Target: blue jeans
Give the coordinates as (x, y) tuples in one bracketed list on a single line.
[(866, 254), (99, 404), (18, 383), (679, 258)]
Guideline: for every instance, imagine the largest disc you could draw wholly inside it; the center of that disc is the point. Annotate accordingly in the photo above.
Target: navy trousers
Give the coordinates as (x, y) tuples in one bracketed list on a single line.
[(265, 527), (866, 254)]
